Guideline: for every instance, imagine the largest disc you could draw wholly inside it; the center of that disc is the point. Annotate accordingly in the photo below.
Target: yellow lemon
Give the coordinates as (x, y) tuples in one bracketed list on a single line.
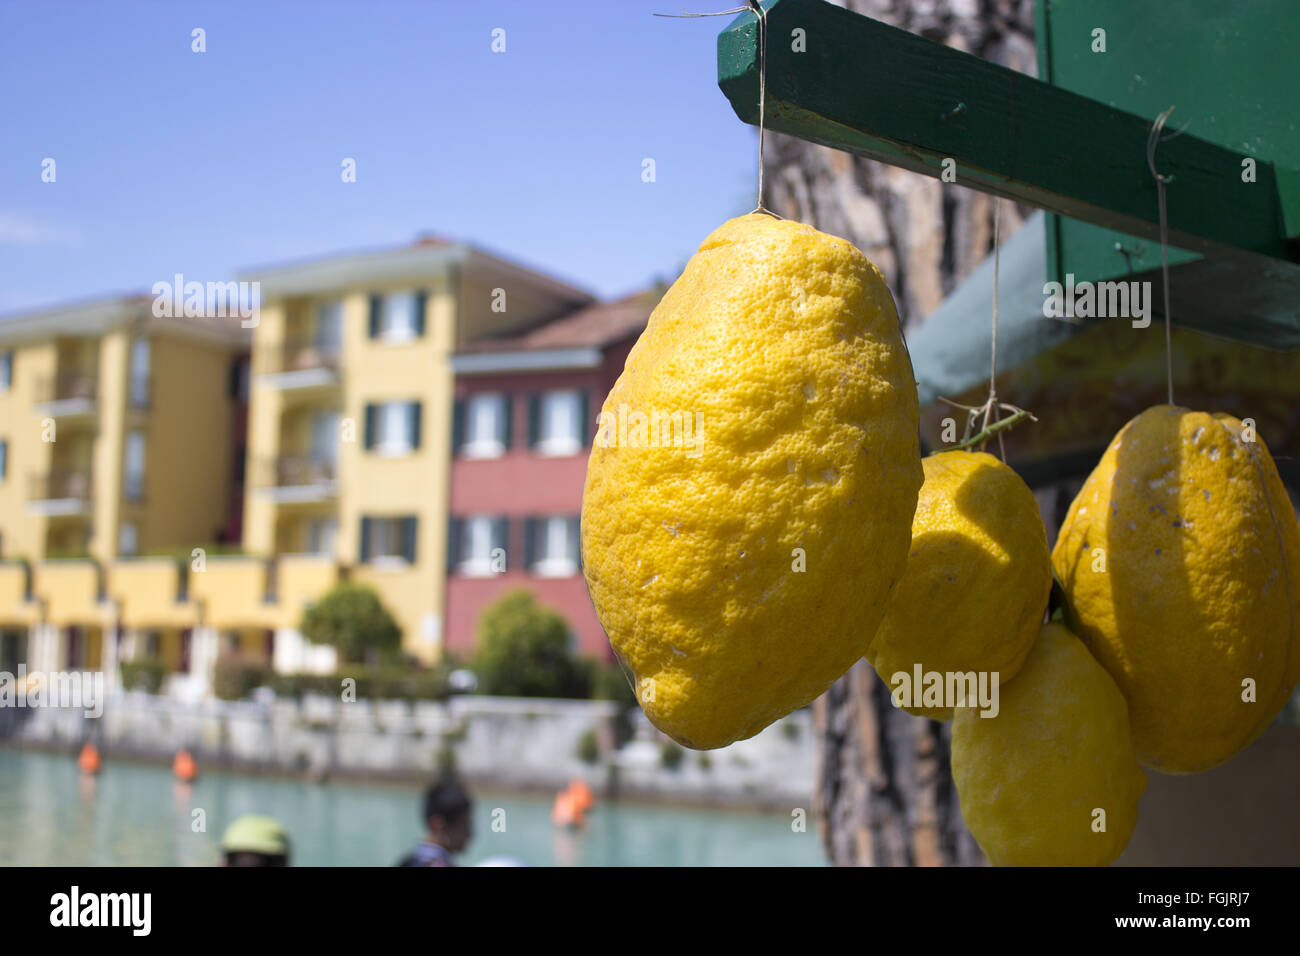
[(750, 491), (1052, 778), (1180, 559), (976, 583)]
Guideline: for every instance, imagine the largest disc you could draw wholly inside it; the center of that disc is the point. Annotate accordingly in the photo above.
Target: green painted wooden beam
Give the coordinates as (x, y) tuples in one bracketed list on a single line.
[(880, 92)]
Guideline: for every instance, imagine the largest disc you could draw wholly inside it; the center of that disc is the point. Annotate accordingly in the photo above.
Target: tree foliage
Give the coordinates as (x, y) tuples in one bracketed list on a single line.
[(523, 651), (352, 619)]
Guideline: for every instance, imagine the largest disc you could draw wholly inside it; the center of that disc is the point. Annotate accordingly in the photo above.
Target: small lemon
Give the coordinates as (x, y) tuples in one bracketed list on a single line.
[(1180, 560), (750, 491), (975, 587), (1052, 779)]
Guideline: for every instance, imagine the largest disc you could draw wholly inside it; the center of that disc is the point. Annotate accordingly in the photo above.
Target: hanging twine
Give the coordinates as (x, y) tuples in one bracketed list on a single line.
[(1153, 140)]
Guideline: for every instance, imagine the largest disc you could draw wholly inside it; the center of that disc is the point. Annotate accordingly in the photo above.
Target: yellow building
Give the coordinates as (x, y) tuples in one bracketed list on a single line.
[(116, 440), (349, 433)]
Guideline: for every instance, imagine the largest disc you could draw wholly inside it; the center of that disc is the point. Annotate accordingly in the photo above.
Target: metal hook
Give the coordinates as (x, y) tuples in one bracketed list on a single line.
[(1153, 140)]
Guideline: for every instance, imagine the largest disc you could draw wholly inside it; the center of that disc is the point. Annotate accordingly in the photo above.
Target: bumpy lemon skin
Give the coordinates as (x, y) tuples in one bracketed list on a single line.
[(977, 578), (1031, 778), (739, 578), (1180, 559)]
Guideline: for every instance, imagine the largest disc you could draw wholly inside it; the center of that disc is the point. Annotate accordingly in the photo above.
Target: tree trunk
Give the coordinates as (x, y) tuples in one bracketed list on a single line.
[(884, 788)]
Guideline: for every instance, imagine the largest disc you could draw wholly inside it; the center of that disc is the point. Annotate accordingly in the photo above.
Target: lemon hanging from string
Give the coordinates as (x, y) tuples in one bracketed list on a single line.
[(1180, 560), (749, 496), (976, 584)]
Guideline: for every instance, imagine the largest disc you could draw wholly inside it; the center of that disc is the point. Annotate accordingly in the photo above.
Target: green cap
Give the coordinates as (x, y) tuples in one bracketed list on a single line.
[(252, 833)]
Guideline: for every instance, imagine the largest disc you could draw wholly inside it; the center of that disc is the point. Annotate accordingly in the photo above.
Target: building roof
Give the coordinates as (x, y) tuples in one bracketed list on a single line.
[(413, 261), (98, 316), (593, 326)]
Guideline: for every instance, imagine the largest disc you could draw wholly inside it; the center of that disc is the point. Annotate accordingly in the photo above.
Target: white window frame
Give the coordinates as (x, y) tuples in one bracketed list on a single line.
[(391, 328), (553, 532), (141, 363), (128, 539), (390, 416), (476, 445), (476, 530), (394, 558), (559, 444), (133, 477)]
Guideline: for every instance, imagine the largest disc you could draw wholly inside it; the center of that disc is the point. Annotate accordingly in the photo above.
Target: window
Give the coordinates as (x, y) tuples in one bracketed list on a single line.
[(329, 325), (6, 370), (321, 533), (397, 316), (134, 466), (487, 426), (4, 458), (385, 540), (324, 437), (473, 542), (140, 356), (393, 428), (552, 545), (556, 422), (127, 540)]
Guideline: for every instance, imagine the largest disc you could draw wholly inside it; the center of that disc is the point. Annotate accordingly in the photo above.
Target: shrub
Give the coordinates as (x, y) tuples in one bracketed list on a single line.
[(236, 675), (523, 651), (588, 748), (352, 619), (671, 755), (143, 673)]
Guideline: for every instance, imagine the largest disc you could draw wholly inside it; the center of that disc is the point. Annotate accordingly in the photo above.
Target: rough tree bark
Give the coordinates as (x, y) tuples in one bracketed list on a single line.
[(884, 791)]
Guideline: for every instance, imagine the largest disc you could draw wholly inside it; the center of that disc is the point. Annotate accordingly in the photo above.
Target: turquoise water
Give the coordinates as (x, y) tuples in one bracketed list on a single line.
[(132, 815)]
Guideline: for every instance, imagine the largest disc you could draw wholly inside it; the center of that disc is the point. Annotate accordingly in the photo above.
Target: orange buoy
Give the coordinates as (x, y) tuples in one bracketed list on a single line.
[(88, 760), (566, 813), (582, 796), (184, 766)]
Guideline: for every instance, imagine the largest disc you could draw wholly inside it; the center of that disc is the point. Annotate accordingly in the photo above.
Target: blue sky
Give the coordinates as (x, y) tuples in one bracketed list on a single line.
[(174, 161)]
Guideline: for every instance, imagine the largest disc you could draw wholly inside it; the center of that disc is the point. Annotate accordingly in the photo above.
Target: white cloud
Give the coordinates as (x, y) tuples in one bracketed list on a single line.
[(26, 232)]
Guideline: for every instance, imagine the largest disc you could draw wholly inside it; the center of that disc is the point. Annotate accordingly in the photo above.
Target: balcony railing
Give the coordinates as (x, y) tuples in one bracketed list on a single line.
[(66, 386), (295, 472), (300, 355), (60, 486)]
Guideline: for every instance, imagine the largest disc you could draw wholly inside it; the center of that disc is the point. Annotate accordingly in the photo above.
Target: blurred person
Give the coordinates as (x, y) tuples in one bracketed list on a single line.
[(254, 840), (448, 813)]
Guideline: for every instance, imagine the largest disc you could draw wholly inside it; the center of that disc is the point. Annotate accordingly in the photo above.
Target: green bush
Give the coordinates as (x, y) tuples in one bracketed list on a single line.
[(523, 651), (235, 676), (588, 747), (372, 683), (143, 673), (671, 755), (352, 619)]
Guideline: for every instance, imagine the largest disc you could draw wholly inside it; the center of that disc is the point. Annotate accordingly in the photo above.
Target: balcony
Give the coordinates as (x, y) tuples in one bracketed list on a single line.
[(300, 364), (66, 394), (61, 492), (297, 478)]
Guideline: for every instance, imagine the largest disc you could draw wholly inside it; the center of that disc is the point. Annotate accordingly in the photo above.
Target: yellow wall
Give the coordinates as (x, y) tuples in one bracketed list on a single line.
[(113, 351), (29, 456), (146, 590), (70, 590), (265, 408), (187, 445), (232, 591)]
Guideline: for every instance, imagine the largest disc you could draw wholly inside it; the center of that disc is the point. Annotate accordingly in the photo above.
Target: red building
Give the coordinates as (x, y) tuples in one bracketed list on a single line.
[(524, 418)]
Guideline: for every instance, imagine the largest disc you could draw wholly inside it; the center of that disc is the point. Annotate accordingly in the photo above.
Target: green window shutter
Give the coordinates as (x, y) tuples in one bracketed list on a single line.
[(372, 416), (457, 427), (530, 542), (454, 529), (414, 422), (507, 423), (408, 539), (365, 539), (584, 426), (534, 419), (376, 304), (421, 301)]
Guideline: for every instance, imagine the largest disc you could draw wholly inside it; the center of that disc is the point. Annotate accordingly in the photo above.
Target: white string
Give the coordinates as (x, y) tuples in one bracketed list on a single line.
[(756, 8), (1153, 140)]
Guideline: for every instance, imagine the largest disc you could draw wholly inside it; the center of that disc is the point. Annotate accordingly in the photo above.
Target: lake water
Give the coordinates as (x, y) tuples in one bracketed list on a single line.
[(138, 815)]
